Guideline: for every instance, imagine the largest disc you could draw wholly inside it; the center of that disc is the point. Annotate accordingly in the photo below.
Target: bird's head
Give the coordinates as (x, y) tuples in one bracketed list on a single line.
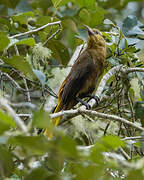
[(95, 38)]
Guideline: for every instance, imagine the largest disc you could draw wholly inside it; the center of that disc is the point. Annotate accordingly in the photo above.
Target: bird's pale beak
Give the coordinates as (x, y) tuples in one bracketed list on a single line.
[(90, 31)]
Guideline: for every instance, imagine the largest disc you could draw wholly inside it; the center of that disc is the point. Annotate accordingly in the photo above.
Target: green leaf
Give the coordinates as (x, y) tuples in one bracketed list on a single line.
[(9, 3), (40, 75), (28, 42), (42, 119), (4, 41), (59, 3), (6, 122), (37, 145), (7, 119), (96, 152), (22, 65), (97, 12), (22, 17), (112, 142), (87, 171), (70, 24), (60, 52), (85, 3), (40, 173), (42, 20), (83, 14), (49, 30), (135, 174), (6, 163), (67, 146)]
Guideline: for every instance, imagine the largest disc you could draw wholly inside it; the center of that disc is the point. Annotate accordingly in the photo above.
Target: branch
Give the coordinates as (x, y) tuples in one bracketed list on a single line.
[(132, 138), (24, 105), (97, 114), (17, 86), (5, 106), (35, 30), (59, 29), (108, 75)]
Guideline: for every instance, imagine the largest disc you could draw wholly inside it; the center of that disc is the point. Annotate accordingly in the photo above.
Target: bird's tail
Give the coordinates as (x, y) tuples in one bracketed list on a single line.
[(58, 108), (56, 120)]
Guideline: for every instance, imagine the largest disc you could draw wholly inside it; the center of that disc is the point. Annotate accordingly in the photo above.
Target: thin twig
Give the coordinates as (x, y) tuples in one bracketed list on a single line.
[(132, 138), (59, 29), (27, 89), (35, 30), (124, 154), (23, 105), (17, 86)]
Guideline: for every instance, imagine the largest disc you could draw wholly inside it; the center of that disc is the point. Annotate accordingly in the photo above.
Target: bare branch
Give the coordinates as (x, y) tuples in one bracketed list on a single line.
[(25, 115), (97, 114), (35, 30)]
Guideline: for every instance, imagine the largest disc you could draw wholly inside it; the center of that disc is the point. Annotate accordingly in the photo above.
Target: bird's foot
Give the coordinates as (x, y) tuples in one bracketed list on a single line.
[(96, 98), (88, 107)]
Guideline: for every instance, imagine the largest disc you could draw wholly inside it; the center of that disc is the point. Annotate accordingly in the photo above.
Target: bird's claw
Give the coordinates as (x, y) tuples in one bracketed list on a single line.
[(88, 107)]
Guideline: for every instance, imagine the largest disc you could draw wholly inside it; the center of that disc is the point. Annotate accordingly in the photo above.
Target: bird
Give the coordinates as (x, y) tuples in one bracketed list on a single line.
[(83, 76)]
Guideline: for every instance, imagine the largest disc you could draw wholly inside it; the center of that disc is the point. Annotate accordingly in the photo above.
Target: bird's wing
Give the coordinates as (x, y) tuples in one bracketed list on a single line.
[(77, 77)]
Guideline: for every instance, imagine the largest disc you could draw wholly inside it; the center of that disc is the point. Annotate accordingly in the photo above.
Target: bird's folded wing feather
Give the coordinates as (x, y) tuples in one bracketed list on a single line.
[(77, 77)]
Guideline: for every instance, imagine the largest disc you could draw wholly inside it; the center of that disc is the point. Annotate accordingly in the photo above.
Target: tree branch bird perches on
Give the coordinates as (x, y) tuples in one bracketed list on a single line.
[(84, 75)]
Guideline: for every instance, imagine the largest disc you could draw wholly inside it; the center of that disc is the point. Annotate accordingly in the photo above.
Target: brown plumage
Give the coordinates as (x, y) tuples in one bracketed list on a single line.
[(84, 74)]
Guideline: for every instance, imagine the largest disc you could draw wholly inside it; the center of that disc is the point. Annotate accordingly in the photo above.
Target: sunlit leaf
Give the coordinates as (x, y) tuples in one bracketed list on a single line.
[(28, 42), (6, 122), (4, 41), (112, 142)]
